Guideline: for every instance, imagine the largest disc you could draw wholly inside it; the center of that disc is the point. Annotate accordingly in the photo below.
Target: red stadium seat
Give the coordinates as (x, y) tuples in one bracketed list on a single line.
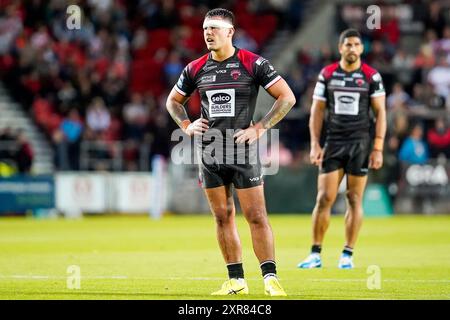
[(146, 76)]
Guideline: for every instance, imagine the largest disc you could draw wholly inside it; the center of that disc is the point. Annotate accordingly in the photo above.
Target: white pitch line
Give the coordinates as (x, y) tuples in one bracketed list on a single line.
[(384, 280), (42, 277), (120, 277)]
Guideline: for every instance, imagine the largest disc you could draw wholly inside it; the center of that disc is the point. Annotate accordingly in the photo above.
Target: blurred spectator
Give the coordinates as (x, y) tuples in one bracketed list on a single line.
[(439, 77), (442, 46), (140, 39), (98, 117), (398, 97), (425, 58), (40, 39), (378, 57), (7, 144), (173, 68), (66, 140), (439, 139), (435, 18), (10, 27), (296, 82), (243, 40), (24, 155), (67, 94), (423, 95), (403, 64), (136, 116), (414, 149)]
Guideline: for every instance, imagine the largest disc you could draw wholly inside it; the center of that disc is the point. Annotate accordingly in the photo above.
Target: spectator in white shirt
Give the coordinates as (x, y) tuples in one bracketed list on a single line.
[(98, 116)]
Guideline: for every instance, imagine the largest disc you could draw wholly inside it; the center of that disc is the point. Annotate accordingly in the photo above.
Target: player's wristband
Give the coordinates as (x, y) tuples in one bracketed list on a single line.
[(185, 124), (378, 144)]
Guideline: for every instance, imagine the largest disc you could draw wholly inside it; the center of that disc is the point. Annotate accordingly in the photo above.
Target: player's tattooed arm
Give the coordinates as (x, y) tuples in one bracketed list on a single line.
[(285, 101), (175, 106), (279, 110)]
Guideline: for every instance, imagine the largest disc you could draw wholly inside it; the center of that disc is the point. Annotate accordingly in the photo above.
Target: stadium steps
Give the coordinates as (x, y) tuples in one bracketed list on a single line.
[(282, 37), (13, 116), (283, 48)]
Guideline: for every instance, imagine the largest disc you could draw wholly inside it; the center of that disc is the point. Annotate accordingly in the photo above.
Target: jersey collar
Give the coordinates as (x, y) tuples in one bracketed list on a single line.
[(236, 50)]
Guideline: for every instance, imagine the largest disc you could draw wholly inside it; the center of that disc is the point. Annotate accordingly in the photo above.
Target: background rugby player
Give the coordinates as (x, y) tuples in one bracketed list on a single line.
[(346, 89), (228, 79)]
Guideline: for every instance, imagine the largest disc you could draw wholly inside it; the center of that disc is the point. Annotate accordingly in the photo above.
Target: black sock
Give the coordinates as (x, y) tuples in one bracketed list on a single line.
[(235, 270), (268, 268), (316, 248), (348, 251)]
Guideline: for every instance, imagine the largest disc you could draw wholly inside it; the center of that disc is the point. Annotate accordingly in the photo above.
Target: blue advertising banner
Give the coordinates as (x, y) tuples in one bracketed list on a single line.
[(21, 193)]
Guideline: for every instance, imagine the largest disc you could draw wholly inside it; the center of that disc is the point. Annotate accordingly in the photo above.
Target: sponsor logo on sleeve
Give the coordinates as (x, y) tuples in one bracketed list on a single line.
[(376, 77), (319, 90), (260, 61), (180, 81)]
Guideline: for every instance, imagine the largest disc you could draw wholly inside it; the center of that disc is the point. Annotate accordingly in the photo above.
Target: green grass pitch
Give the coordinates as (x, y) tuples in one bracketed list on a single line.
[(178, 257)]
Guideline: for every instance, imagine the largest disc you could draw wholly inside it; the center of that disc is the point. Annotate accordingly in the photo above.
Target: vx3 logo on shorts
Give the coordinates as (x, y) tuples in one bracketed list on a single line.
[(255, 179)]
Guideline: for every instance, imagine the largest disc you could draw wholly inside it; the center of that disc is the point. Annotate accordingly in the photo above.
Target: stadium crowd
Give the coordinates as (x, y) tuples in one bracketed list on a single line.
[(417, 81), (108, 80)]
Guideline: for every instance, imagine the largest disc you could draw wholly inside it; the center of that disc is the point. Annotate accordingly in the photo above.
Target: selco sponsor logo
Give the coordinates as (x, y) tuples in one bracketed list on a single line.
[(221, 98)]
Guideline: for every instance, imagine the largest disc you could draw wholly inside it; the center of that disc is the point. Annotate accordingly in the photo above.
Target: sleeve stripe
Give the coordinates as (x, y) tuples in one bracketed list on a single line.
[(272, 82), (379, 94), (319, 98), (180, 91)]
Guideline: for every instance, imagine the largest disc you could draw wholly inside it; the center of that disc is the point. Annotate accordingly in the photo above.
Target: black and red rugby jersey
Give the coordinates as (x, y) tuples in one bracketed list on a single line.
[(348, 99), (228, 89)]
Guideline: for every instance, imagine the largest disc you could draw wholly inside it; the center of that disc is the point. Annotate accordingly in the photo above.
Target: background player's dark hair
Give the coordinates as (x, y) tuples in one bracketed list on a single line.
[(349, 33), (224, 13)]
